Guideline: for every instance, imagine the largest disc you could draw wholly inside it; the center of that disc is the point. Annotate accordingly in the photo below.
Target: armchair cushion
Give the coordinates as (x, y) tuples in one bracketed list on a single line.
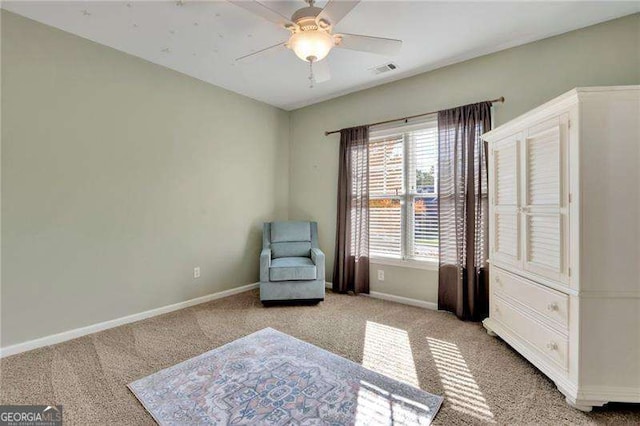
[(290, 231), (292, 269), (291, 249)]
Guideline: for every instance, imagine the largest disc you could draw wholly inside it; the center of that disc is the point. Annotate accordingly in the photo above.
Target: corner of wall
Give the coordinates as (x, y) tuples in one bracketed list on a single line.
[(290, 162)]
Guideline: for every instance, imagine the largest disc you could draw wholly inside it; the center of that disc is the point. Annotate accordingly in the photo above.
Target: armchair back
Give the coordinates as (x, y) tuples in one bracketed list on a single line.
[(290, 239)]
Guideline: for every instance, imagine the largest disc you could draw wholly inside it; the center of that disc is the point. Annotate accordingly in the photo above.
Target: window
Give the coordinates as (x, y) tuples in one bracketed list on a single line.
[(403, 199)]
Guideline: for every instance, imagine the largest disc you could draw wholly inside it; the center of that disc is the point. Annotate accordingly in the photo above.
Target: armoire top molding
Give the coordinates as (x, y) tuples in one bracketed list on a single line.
[(556, 105)]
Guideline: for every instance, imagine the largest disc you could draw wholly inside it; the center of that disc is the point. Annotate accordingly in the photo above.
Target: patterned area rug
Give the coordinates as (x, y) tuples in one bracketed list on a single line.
[(272, 378)]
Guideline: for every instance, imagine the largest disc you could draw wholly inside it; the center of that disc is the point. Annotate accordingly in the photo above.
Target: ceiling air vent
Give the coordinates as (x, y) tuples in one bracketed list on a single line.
[(384, 68)]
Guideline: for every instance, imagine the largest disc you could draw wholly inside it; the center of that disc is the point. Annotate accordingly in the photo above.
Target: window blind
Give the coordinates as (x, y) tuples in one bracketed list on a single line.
[(423, 161), (386, 187), (403, 215)]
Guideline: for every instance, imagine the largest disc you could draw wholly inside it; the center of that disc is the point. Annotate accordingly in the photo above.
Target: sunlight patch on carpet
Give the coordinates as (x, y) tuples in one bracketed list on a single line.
[(387, 350), (460, 387)]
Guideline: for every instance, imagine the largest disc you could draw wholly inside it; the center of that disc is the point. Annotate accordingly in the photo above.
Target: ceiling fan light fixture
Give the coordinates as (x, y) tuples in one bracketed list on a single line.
[(311, 45)]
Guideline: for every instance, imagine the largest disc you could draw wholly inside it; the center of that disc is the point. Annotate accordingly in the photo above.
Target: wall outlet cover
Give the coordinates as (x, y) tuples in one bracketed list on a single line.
[(380, 274), (196, 272)]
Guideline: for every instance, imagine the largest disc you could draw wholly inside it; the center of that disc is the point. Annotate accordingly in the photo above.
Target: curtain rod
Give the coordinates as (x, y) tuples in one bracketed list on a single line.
[(327, 133)]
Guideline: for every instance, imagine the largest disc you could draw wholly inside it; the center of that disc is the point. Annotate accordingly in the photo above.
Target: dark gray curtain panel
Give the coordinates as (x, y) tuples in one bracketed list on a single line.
[(463, 286), (351, 264)]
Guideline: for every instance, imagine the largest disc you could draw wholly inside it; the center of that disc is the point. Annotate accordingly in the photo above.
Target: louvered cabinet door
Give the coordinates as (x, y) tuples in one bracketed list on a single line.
[(545, 199), (504, 223)]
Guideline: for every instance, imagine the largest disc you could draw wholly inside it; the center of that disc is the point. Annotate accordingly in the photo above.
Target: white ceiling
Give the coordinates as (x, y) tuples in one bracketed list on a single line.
[(202, 39)]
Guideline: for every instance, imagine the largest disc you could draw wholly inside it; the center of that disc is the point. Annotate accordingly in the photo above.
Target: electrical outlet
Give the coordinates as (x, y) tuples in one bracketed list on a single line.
[(380, 274), (196, 272)]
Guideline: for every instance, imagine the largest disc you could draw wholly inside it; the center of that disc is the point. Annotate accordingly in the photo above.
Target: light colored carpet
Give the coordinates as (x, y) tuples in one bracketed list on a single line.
[(481, 378)]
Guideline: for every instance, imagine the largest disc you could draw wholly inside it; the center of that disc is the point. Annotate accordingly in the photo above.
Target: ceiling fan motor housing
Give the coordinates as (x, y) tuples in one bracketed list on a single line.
[(305, 18)]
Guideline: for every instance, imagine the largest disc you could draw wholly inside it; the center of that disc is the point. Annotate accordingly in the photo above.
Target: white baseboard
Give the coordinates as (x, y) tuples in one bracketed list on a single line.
[(397, 299), (404, 300), (94, 328)]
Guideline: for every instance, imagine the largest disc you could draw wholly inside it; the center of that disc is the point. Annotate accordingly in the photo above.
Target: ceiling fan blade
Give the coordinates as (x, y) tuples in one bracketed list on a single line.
[(263, 11), (335, 10), (262, 51), (321, 71), (379, 45)]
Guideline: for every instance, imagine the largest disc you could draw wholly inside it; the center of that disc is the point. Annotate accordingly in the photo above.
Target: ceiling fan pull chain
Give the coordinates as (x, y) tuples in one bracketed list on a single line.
[(310, 74)]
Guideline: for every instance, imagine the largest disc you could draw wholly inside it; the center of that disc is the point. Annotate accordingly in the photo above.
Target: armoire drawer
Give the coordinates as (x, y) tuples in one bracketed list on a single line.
[(550, 304), (551, 344)]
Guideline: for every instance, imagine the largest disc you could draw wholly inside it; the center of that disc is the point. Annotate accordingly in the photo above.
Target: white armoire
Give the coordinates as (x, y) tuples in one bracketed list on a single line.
[(564, 241)]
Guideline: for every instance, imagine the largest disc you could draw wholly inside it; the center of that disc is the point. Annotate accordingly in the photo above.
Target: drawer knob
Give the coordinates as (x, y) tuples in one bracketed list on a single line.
[(498, 280), (552, 307), (552, 346)]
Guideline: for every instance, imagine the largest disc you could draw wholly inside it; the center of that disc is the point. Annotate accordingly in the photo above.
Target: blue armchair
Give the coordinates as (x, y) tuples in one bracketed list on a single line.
[(291, 264)]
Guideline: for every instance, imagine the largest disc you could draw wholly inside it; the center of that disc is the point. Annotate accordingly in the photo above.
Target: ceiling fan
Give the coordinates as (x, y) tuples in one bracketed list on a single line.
[(311, 34)]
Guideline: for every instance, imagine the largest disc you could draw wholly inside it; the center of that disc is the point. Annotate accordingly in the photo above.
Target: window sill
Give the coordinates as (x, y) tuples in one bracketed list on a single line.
[(415, 264)]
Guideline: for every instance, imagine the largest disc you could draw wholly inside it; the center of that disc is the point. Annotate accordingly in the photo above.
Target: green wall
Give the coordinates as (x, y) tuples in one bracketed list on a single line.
[(119, 177)]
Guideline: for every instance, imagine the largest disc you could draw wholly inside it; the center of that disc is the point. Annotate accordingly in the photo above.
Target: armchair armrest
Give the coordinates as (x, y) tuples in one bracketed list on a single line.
[(265, 264), (317, 257)]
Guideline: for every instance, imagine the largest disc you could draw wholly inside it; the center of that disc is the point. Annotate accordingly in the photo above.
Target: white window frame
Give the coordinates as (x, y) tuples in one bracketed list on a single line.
[(406, 199), (429, 265)]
